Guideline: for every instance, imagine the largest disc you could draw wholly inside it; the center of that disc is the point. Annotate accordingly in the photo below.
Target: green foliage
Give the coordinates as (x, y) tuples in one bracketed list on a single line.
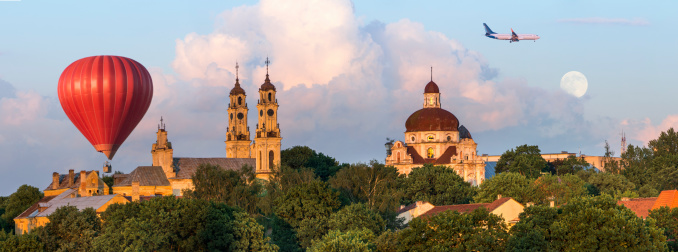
[(560, 189), (306, 201), (312, 229), (647, 191), (20, 243), (507, 184), (525, 160), (387, 242), (108, 180), (299, 157), (598, 223), (452, 231), (16, 203), (338, 241), (532, 232), (570, 165), (235, 188), (666, 144), (667, 219), (282, 180), (357, 216), (611, 183), (438, 185), (375, 185), (69, 229), (178, 224), (283, 235)]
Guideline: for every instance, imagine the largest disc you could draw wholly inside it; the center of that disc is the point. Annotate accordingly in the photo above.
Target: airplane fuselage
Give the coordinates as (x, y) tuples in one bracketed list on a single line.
[(512, 38)]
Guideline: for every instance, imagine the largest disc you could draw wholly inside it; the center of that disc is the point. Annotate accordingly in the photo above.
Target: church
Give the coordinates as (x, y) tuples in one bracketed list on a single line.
[(433, 136)]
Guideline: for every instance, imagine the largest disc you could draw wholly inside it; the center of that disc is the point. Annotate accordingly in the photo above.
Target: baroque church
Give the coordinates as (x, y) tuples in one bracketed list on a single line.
[(433, 136)]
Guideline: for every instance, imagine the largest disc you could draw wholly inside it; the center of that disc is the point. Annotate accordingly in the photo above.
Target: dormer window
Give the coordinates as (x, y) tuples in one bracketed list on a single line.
[(430, 138)]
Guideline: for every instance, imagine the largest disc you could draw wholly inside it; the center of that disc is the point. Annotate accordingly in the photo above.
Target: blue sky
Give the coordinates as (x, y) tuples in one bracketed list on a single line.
[(349, 74)]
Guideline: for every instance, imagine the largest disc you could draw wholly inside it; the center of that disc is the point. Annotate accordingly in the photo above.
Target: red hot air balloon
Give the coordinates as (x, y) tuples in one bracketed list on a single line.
[(105, 97)]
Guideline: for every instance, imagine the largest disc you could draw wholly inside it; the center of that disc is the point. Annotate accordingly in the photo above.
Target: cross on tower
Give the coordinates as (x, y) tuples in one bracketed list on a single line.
[(267, 62), (431, 73), (236, 70)]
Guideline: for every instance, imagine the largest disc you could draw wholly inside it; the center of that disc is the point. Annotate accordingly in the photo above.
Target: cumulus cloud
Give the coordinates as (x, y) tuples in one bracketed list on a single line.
[(644, 130), (607, 21)]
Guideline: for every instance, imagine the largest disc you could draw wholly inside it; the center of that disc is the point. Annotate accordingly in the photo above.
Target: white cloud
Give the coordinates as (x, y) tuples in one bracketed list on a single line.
[(644, 130), (607, 21)]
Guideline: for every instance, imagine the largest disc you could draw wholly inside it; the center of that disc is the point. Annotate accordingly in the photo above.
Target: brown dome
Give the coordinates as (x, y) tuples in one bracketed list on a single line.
[(431, 87), (267, 85), (237, 90), (431, 119)]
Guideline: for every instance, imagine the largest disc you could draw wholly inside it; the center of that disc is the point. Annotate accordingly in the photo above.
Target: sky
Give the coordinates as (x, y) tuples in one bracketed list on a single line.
[(348, 74)]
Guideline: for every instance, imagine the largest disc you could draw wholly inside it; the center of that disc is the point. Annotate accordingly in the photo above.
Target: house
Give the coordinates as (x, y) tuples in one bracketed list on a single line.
[(37, 214), (505, 207)]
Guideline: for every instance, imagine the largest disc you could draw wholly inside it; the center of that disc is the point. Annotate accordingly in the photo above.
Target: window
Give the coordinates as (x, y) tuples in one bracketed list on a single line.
[(430, 138), (239, 100), (412, 138), (397, 157), (449, 138), (269, 96), (430, 153), (270, 155)]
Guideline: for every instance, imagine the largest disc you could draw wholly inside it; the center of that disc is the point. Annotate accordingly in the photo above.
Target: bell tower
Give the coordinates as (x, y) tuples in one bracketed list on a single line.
[(266, 148), (162, 152), (237, 132)]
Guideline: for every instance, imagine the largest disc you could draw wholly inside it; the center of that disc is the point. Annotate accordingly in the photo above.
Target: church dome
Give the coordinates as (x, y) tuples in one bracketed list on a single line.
[(431, 119), (267, 85), (431, 87), (237, 90)]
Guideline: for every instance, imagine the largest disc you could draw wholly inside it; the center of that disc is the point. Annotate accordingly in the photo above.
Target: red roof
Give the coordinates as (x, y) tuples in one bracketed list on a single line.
[(445, 158), (640, 206), (466, 208), (431, 119), (667, 198)]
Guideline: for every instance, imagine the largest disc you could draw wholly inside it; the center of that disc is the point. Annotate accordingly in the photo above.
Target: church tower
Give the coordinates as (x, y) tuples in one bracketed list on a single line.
[(237, 132), (266, 147), (162, 151), (431, 94)]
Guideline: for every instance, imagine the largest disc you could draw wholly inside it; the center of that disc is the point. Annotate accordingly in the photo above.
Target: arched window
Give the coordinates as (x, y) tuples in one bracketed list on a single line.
[(398, 157), (269, 96), (239, 100), (270, 155), (412, 138), (430, 153), (259, 159), (449, 138)]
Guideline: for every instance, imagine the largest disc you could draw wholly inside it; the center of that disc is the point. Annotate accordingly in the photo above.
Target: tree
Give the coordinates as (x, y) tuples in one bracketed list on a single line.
[(387, 242), (611, 183), (452, 231), (338, 241), (282, 180), (235, 188), (667, 219), (69, 229), (283, 235), (299, 157), (609, 163), (375, 185), (666, 144), (506, 184), (178, 224), (525, 160), (357, 216), (19, 243), (532, 232), (17, 202), (598, 223), (306, 201), (571, 165), (438, 185), (560, 189)]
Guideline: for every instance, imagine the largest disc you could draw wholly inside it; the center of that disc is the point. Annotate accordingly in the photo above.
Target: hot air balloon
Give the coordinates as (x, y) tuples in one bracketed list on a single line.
[(105, 97)]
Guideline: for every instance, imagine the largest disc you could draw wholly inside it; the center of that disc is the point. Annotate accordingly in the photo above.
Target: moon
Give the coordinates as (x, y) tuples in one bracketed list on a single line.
[(574, 83)]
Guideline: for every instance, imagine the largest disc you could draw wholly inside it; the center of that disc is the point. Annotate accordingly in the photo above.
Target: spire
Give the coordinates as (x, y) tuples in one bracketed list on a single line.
[(267, 62), (161, 125), (431, 73), (236, 71)]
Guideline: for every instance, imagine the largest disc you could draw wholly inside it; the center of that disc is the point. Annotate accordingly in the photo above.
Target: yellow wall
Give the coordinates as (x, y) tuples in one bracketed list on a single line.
[(143, 190), (510, 210)]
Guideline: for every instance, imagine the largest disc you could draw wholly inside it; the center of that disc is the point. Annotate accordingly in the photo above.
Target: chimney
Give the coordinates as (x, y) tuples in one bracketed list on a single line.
[(70, 178), (55, 180), (135, 191), (498, 196), (83, 183)]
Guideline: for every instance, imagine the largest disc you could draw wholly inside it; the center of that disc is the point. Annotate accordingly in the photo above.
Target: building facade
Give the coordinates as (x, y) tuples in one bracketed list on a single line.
[(433, 136)]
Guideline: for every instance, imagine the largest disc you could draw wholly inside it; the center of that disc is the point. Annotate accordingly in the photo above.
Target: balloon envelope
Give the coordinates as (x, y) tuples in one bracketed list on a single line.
[(105, 97)]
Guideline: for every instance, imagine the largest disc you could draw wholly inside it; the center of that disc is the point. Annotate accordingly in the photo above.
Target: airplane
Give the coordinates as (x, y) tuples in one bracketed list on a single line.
[(513, 37)]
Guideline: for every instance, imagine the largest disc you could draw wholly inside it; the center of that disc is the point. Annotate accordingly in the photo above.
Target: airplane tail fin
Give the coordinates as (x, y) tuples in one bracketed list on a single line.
[(488, 31)]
